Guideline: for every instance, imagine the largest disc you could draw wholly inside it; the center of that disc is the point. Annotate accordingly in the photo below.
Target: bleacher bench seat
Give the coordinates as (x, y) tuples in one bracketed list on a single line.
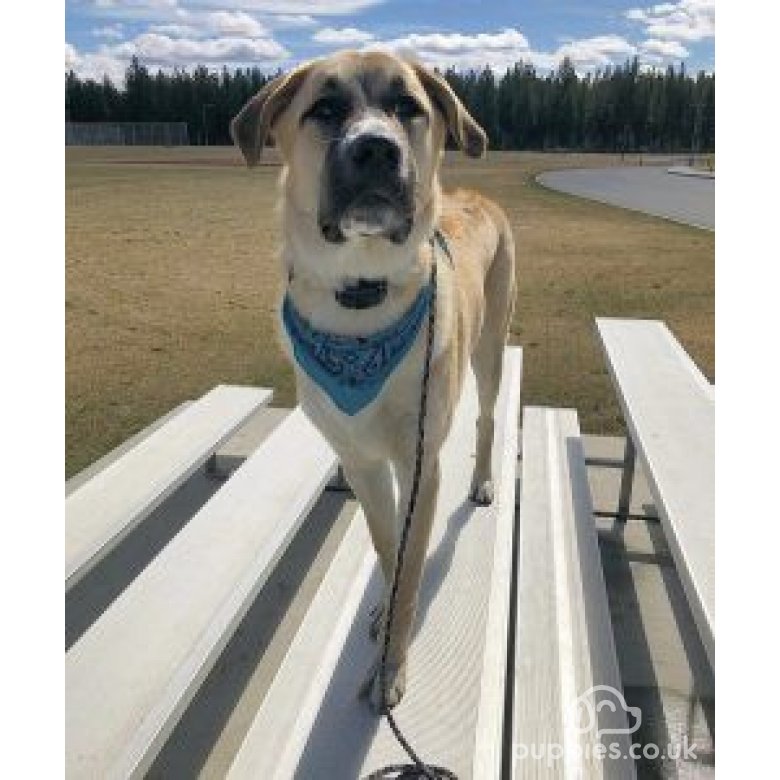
[(669, 408), (565, 664), (104, 509)]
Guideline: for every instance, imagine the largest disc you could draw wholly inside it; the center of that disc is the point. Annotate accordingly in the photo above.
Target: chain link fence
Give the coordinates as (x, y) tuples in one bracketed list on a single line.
[(126, 134)]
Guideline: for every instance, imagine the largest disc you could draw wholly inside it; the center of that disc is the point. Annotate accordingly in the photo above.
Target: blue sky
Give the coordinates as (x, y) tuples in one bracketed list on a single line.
[(102, 35)]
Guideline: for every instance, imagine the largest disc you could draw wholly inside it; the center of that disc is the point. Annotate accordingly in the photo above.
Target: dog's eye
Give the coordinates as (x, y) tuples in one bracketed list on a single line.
[(328, 109), (406, 107)]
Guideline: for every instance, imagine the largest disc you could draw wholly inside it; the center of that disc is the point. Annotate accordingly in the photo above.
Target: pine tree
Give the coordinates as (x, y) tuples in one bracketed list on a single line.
[(620, 108)]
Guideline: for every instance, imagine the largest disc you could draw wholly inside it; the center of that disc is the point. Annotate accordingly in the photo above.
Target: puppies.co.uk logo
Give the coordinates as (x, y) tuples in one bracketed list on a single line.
[(588, 706), (595, 716)]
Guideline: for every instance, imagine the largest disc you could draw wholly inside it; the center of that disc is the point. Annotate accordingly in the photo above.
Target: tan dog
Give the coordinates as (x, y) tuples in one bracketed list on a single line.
[(362, 136)]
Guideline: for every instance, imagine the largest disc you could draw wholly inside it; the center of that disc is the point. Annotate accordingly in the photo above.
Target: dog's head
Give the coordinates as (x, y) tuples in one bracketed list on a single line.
[(361, 136)]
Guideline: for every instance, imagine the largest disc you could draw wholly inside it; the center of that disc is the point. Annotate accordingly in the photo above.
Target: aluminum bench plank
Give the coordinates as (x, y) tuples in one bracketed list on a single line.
[(564, 645), (72, 484), (311, 723), (102, 511), (130, 677), (669, 407)]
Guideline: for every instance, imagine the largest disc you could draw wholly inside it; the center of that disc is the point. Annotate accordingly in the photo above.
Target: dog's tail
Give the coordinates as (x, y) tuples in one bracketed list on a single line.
[(501, 277)]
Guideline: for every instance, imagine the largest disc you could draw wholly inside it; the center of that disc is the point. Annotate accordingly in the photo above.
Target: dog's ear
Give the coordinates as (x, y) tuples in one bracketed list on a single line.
[(470, 137), (252, 125)]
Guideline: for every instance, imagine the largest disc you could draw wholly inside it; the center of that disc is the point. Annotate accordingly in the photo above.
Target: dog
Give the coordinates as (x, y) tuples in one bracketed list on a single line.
[(364, 218)]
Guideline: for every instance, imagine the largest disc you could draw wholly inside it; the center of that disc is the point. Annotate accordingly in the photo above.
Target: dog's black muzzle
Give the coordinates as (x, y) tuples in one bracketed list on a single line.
[(367, 188)]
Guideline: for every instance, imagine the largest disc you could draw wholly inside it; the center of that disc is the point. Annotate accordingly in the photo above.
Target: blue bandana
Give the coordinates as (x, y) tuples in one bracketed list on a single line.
[(353, 369)]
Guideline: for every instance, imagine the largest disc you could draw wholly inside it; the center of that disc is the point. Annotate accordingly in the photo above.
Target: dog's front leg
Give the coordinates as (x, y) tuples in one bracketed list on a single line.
[(372, 484), (409, 582)]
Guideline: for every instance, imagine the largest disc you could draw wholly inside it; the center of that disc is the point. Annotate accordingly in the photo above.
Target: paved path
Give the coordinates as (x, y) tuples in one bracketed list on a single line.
[(686, 199)]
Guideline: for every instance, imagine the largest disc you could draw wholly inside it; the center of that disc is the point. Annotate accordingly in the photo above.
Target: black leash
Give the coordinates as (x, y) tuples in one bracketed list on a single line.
[(417, 769)]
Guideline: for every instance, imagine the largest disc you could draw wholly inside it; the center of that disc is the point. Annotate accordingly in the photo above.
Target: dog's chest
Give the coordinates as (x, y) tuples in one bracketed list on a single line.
[(380, 428), (385, 427)]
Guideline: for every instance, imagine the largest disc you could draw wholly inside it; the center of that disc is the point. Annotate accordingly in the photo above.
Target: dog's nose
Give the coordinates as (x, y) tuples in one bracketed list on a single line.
[(374, 152)]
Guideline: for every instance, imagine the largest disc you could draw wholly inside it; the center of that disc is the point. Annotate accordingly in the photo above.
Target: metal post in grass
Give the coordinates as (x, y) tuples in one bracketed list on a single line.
[(205, 126)]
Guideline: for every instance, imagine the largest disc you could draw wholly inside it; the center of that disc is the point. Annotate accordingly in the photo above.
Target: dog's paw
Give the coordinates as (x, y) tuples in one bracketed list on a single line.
[(377, 621), (482, 493), (395, 686)]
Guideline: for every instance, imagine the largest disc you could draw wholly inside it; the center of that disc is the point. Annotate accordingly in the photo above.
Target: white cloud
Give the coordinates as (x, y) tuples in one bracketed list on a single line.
[(443, 50), (213, 23), (134, 3), (294, 7), (588, 54), (113, 31), (276, 13), (672, 49), (94, 65), (503, 49), (686, 20), (71, 56), (135, 7), (456, 43), (291, 20), (177, 30), (177, 37), (139, 11), (238, 23), (161, 50), (184, 33), (342, 37), (168, 18)]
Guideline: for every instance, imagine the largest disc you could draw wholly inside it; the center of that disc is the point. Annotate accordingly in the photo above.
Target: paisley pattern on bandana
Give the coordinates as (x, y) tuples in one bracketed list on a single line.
[(353, 369)]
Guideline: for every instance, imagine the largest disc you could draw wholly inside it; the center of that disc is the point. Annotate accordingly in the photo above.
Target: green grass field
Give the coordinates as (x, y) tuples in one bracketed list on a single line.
[(171, 283)]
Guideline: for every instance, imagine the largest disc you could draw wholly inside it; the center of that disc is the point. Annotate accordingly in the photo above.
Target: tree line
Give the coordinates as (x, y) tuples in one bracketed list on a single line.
[(621, 108)]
